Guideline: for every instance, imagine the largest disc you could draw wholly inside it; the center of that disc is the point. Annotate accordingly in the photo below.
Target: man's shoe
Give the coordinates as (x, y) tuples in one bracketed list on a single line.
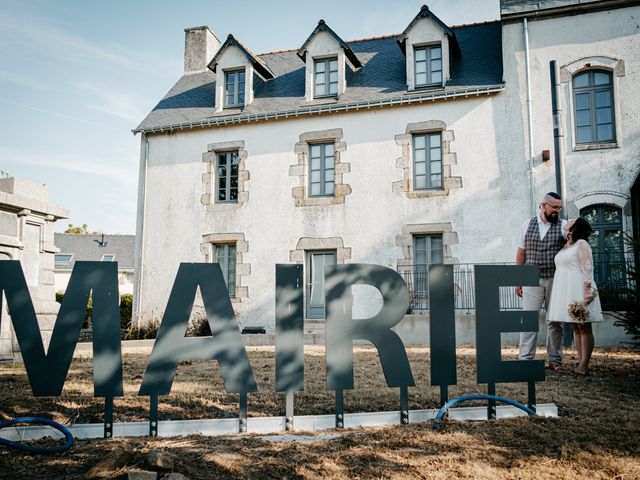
[(554, 366)]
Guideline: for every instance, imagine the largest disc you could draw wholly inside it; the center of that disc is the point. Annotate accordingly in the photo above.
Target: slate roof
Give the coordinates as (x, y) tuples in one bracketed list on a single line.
[(87, 248), (258, 64), (381, 81), (323, 27), (425, 13)]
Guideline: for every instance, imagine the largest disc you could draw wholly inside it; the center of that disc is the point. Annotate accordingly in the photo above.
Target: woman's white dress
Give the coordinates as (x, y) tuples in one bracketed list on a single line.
[(574, 268)]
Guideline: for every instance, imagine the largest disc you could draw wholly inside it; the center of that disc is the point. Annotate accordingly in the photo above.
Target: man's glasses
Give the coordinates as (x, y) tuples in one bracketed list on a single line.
[(553, 206)]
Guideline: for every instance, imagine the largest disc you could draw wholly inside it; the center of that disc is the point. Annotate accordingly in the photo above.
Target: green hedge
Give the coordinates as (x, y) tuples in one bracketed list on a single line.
[(126, 310), (126, 307)]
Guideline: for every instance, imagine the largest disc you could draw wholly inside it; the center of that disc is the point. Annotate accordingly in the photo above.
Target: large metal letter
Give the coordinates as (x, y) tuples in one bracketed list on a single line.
[(47, 372), (442, 328), (491, 322), (171, 346), (289, 329), (342, 329)]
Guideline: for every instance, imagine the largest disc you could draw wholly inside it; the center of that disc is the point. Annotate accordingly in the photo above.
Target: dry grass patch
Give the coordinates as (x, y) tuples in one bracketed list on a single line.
[(596, 436)]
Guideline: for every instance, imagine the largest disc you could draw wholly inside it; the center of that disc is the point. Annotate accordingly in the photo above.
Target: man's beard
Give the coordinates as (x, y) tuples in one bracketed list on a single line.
[(552, 217)]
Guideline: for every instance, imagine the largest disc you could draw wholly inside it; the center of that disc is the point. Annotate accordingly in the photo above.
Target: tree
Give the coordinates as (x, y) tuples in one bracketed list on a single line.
[(82, 230), (628, 311)]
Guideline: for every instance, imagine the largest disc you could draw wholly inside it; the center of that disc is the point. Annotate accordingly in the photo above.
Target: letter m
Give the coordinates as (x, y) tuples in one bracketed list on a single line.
[(47, 372)]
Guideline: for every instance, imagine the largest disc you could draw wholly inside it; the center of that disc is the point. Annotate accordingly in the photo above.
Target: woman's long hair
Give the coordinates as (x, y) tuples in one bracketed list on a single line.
[(580, 230)]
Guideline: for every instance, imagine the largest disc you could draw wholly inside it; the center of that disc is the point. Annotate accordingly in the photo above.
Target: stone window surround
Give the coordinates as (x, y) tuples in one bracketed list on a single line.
[(209, 177), (405, 241), (405, 162), (242, 247), (604, 197), (301, 169), (611, 64), (306, 244)]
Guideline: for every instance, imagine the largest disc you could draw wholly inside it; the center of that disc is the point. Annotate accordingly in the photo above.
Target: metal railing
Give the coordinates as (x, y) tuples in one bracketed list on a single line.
[(614, 279), (417, 280), (611, 273)]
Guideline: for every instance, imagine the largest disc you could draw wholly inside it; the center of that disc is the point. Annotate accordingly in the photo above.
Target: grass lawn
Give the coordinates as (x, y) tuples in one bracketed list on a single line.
[(597, 434)]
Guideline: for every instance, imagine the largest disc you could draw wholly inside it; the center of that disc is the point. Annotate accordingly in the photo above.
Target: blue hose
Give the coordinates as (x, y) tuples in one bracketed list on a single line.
[(451, 403), (31, 449)]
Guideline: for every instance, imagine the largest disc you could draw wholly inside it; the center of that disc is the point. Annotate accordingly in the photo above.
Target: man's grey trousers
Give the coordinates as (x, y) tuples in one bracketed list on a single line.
[(532, 299)]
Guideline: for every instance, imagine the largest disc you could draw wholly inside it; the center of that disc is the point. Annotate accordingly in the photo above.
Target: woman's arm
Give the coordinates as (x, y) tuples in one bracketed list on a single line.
[(585, 262)]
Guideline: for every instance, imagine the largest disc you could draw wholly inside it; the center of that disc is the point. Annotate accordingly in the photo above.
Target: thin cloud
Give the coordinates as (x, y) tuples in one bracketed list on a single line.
[(26, 29), (83, 164), (57, 114), (119, 104), (25, 81)]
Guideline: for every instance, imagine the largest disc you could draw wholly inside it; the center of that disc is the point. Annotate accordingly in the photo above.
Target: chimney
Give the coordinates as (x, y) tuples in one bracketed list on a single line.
[(200, 45)]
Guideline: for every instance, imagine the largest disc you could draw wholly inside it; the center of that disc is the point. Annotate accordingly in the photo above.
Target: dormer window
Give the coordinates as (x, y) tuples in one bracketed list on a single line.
[(234, 85), (326, 57), (234, 66), (428, 66), (326, 77), (430, 48)]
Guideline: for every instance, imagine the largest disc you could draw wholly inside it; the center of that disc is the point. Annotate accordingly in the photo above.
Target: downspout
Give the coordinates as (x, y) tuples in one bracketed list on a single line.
[(142, 209), (532, 174), (558, 136)]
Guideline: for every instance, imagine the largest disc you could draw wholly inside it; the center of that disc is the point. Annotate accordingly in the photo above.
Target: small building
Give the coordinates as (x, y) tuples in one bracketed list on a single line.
[(94, 248), (26, 234)]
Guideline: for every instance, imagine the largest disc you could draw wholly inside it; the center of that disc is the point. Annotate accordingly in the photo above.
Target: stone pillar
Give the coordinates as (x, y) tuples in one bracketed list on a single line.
[(26, 234)]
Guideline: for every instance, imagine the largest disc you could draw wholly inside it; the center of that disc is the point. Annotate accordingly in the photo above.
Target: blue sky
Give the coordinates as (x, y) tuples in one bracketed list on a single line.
[(76, 76)]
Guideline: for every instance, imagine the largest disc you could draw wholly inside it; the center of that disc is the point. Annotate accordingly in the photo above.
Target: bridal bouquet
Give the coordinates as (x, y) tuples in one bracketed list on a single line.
[(579, 311)]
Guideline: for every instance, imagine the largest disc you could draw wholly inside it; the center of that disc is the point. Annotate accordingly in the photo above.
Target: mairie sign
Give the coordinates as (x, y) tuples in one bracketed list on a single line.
[(47, 372)]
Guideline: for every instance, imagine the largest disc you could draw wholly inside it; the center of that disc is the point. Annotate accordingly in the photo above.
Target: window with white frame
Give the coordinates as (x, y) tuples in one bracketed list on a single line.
[(227, 177), (225, 255), (234, 88), (593, 107), (325, 77), (108, 258), (427, 161), (321, 169), (427, 250), (428, 66), (315, 294)]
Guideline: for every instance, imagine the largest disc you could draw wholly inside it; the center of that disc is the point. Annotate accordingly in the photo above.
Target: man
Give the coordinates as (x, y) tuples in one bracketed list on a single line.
[(541, 238)]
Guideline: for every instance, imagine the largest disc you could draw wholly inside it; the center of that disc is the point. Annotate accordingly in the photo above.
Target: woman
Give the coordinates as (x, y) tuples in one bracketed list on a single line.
[(573, 281)]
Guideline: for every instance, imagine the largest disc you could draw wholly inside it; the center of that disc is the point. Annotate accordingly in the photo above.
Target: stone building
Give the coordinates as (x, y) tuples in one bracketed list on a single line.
[(402, 150), (26, 234)]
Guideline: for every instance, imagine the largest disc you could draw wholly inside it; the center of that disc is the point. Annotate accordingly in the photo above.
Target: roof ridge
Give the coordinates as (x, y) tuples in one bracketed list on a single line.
[(474, 24), (277, 51), (381, 37)]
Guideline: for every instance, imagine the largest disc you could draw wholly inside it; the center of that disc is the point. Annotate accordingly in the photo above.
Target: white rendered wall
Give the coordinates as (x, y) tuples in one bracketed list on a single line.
[(593, 176), (486, 212)]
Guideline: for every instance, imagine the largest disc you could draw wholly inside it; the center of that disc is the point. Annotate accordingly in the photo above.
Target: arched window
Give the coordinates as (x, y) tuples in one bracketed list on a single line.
[(593, 107), (607, 243)]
